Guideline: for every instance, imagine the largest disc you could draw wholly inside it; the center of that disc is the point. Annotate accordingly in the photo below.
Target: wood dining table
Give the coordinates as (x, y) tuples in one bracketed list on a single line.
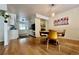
[(46, 33)]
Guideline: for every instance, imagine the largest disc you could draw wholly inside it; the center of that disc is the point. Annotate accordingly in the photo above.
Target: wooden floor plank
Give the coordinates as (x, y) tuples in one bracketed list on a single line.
[(32, 46)]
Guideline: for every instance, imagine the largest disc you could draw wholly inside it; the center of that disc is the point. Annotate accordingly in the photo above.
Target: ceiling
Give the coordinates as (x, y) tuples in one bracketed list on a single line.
[(44, 9)]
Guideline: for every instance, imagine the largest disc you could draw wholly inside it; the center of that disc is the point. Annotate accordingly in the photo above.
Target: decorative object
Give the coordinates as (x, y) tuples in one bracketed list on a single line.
[(5, 17), (12, 27), (6, 39), (61, 21), (4, 14)]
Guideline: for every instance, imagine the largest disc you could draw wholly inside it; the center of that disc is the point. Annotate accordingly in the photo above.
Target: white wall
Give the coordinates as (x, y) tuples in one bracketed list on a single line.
[(12, 19), (37, 27), (2, 7), (1, 29), (72, 30)]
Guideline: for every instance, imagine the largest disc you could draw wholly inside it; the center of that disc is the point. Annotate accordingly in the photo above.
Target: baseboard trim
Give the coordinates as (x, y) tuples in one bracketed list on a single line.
[(70, 39)]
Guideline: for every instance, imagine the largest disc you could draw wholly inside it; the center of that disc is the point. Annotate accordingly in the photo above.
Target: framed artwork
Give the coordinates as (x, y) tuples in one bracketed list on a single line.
[(61, 21)]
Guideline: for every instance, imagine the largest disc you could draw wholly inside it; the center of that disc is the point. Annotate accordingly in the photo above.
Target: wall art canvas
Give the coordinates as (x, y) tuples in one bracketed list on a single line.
[(61, 21)]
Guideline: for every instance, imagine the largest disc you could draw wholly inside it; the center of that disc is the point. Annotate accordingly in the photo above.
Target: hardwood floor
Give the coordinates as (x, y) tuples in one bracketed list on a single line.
[(35, 46)]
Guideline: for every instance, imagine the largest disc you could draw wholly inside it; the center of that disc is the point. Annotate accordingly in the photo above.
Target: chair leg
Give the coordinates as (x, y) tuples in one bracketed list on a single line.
[(57, 43), (59, 47), (47, 43)]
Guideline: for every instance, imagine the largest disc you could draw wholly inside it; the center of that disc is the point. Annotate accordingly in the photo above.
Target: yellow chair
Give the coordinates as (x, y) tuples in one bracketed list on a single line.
[(52, 36)]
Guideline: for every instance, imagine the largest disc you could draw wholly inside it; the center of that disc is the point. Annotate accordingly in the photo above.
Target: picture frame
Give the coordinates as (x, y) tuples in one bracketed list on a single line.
[(61, 21)]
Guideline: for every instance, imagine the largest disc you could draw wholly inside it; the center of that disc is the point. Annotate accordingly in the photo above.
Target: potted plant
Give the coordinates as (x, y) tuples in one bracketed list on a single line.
[(4, 14)]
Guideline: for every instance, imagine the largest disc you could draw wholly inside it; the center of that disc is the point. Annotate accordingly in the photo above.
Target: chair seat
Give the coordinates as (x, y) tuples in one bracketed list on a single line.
[(52, 35)]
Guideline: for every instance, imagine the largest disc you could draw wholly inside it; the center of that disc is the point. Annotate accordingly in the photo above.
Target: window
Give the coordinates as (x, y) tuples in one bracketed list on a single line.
[(22, 26)]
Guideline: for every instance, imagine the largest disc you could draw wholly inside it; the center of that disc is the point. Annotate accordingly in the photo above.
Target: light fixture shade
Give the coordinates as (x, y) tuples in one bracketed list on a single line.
[(53, 14)]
